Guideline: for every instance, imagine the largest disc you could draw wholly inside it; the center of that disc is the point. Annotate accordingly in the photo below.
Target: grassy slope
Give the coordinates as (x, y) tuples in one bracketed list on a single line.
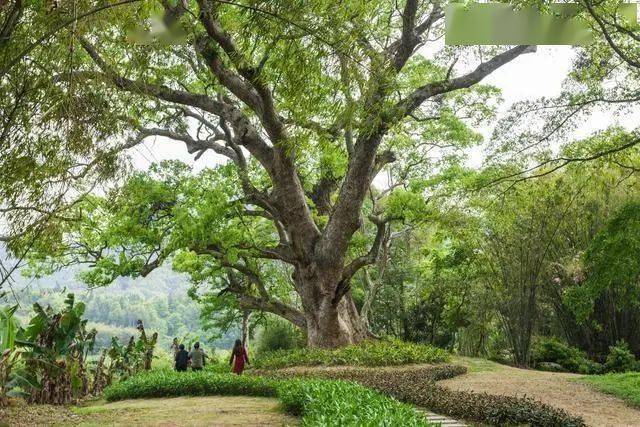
[(625, 386), (319, 402), (191, 411)]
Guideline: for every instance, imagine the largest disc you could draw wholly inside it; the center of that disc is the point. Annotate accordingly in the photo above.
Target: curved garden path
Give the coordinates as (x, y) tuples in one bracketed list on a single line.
[(561, 390)]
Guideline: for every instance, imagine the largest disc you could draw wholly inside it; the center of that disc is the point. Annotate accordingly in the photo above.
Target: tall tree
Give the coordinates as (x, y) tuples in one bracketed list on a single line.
[(308, 100)]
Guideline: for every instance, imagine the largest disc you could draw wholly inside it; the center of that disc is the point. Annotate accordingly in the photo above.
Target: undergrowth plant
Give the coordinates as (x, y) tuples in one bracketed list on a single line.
[(418, 386), (47, 362), (319, 402), (8, 353), (367, 353)]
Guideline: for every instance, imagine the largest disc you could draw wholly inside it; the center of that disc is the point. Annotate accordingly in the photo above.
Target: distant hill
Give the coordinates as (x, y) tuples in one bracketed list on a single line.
[(160, 300)]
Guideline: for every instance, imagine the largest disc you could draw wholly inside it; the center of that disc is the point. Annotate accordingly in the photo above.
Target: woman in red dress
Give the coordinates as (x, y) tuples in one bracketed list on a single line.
[(239, 353)]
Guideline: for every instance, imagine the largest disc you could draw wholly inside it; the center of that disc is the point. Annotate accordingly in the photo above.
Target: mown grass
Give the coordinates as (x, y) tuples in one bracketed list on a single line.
[(625, 386), (185, 411), (319, 402), (474, 364), (367, 353)]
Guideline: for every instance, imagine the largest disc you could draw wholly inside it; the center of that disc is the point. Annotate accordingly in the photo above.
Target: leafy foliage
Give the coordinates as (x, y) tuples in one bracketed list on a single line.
[(169, 383), (277, 334), (621, 359), (8, 353), (343, 403), (56, 347), (53, 354), (161, 300), (570, 358), (417, 386), (367, 353), (320, 402), (612, 264)]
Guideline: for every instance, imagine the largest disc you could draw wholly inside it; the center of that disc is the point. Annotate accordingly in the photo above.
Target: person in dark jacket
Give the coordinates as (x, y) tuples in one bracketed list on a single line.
[(182, 359)]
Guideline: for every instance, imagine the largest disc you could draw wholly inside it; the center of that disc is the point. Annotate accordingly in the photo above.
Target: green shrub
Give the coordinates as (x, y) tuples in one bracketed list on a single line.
[(370, 377), (546, 351), (367, 353), (170, 383), (279, 334), (620, 358), (319, 402)]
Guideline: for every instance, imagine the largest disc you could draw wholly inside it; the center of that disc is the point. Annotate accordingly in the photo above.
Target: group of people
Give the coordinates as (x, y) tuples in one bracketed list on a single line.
[(196, 357)]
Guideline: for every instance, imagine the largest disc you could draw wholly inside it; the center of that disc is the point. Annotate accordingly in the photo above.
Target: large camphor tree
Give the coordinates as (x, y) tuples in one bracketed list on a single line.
[(306, 102)]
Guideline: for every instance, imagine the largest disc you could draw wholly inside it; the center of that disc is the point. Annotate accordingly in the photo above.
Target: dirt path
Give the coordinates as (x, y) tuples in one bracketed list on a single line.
[(556, 389), (170, 412)]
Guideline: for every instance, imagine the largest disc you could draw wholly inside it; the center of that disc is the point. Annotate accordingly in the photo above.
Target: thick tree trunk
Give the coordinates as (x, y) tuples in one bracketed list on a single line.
[(330, 323), (335, 325), (245, 327)]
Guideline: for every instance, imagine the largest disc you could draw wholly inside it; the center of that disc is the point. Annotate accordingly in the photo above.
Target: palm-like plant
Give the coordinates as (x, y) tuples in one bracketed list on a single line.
[(8, 353), (56, 345)]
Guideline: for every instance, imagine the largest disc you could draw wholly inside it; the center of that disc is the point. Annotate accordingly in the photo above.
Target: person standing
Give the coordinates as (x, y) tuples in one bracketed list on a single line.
[(239, 355), (181, 359), (197, 357)]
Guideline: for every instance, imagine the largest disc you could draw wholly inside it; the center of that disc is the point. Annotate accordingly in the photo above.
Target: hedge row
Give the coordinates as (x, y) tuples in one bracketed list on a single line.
[(417, 386), (319, 402), (367, 353), (168, 383)]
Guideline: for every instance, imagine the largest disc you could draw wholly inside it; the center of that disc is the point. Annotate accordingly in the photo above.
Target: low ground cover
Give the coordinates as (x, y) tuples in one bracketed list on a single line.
[(625, 386), (367, 353), (417, 385), (560, 390), (319, 402)]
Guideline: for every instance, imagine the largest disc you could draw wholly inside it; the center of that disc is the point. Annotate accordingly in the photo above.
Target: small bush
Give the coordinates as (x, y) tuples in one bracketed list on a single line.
[(319, 402), (367, 353), (548, 351), (620, 358), (279, 335), (170, 383)]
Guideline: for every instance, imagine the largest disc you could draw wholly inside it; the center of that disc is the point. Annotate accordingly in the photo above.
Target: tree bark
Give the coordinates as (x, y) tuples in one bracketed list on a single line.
[(331, 322), (245, 327)]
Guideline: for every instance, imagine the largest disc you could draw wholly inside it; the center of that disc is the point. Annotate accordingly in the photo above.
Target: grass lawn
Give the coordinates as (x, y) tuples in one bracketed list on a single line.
[(625, 386), (476, 364), (176, 412), (187, 411)]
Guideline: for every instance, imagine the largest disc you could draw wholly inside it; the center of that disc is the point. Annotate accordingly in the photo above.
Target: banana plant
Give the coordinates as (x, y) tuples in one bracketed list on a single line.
[(8, 353), (56, 345), (145, 346), (8, 328)]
